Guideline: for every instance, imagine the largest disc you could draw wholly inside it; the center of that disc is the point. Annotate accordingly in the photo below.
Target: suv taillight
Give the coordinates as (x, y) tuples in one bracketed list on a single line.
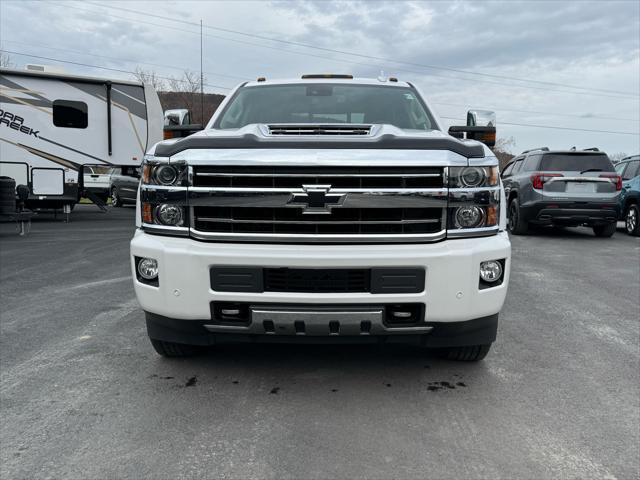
[(538, 179), (613, 178)]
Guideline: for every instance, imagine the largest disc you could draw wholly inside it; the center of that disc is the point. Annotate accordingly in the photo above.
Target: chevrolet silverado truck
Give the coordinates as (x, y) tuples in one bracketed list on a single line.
[(323, 209)]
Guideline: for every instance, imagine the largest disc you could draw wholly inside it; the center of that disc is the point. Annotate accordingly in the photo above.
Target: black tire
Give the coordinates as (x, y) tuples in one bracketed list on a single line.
[(173, 350), (116, 201), (605, 231), (515, 223), (7, 195), (471, 353), (632, 220)]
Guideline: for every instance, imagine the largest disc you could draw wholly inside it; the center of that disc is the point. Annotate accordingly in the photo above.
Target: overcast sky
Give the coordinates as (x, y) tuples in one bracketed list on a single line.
[(522, 59)]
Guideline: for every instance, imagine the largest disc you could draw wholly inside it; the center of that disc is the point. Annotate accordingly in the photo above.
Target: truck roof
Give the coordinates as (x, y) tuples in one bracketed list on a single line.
[(325, 80)]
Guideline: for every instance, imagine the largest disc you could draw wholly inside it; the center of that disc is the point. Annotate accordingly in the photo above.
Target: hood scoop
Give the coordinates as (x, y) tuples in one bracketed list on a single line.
[(310, 129)]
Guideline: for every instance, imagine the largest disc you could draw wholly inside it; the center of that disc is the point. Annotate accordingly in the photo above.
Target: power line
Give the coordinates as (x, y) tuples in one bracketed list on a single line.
[(583, 117), (553, 127), (172, 67), (104, 68), (350, 62), (361, 55)]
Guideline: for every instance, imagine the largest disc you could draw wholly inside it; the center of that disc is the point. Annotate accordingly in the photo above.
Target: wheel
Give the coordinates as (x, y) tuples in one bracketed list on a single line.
[(605, 231), (116, 201), (516, 224), (632, 220), (170, 349), (471, 353)]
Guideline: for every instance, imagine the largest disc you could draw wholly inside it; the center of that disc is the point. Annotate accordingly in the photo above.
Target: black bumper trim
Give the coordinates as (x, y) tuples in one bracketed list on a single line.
[(570, 213), (479, 331)]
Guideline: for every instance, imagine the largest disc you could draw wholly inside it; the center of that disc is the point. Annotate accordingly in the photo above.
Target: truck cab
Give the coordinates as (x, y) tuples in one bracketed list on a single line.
[(322, 209)]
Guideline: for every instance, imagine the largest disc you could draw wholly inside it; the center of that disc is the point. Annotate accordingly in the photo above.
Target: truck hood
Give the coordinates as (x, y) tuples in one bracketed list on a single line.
[(321, 144)]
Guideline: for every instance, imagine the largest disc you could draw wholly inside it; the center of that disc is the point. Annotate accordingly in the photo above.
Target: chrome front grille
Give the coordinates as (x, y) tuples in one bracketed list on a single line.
[(312, 204)]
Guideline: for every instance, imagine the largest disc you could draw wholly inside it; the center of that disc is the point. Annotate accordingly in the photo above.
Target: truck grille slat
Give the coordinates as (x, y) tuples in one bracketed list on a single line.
[(292, 177)]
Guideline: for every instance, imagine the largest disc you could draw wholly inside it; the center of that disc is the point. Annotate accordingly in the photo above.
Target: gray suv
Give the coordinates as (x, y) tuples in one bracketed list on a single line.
[(563, 188)]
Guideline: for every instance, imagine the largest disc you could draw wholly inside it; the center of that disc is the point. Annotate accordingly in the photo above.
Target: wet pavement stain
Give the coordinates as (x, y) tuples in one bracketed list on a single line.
[(191, 382), (442, 385)]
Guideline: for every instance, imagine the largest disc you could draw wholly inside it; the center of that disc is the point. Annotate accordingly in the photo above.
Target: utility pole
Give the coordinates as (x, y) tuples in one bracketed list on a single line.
[(201, 81)]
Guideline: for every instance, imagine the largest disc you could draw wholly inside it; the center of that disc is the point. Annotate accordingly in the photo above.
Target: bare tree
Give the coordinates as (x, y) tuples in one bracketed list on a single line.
[(616, 157), (5, 60), (502, 150), (188, 89), (150, 77)]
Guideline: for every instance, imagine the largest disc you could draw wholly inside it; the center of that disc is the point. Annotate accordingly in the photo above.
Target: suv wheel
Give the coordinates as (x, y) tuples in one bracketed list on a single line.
[(515, 222), (116, 201), (471, 353), (632, 220), (170, 349), (605, 230)]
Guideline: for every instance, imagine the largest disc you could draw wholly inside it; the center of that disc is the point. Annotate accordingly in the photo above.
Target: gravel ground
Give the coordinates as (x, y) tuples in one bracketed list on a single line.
[(84, 396)]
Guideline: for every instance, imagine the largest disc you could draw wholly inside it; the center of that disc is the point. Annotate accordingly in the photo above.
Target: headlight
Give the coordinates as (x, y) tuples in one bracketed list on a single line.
[(165, 174), (473, 177), (168, 214), (469, 217)]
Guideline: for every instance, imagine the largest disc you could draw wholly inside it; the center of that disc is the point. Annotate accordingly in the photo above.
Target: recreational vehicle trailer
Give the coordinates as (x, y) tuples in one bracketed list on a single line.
[(52, 125)]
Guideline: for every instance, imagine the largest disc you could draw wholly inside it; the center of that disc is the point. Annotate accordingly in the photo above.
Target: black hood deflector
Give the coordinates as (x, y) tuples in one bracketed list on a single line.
[(387, 141)]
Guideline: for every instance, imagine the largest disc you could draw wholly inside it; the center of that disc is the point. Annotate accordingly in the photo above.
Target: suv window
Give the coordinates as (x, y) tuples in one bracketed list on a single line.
[(531, 163), (631, 170), (517, 166), (620, 167), (575, 162), (507, 170), (326, 103)]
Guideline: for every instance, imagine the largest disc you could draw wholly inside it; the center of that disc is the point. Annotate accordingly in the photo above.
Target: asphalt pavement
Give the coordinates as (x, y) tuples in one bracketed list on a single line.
[(84, 396)]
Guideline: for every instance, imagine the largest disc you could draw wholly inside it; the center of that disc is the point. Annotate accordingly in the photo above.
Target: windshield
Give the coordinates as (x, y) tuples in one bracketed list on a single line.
[(326, 104), (575, 162)]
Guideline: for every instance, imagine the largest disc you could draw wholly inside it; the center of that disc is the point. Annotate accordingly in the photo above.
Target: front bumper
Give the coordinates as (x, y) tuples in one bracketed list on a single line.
[(451, 294)]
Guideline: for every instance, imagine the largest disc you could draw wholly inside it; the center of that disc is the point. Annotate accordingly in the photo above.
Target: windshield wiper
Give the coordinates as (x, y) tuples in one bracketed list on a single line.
[(591, 170)]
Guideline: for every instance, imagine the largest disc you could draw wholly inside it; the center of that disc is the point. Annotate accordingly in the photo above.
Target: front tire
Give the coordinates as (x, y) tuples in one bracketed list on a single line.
[(632, 220), (605, 231), (470, 353), (174, 350), (116, 201), (516, 224)]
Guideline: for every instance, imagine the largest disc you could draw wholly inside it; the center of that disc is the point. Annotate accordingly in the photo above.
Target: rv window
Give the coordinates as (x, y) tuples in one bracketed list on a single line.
[(69, 114)]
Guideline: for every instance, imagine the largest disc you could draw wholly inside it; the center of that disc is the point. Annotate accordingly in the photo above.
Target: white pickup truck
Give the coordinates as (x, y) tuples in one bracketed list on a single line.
[(97, 180), (323, 209)]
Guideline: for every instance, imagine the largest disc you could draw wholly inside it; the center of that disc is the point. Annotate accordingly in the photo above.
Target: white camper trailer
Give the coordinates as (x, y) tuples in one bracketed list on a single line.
[(52, 125)]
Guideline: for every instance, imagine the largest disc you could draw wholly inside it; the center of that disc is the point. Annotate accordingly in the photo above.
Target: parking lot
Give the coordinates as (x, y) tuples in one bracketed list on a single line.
[(83, 394)]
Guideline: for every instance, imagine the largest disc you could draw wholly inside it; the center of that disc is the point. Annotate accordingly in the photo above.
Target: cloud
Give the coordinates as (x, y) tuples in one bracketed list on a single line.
[(590, 44)]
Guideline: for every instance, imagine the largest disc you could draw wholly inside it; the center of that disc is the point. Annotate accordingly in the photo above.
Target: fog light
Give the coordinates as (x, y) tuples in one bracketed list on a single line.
[(491, 271), (148, 268), (469, 217), (169, 214)]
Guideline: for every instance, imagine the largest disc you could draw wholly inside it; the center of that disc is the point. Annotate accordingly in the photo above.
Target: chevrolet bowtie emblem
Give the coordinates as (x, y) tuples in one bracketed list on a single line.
[(316, 199)]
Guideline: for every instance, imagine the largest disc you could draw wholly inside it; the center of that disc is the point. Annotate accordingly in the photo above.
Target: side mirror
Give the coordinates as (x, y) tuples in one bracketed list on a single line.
[(179, 131), (481, 126)]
